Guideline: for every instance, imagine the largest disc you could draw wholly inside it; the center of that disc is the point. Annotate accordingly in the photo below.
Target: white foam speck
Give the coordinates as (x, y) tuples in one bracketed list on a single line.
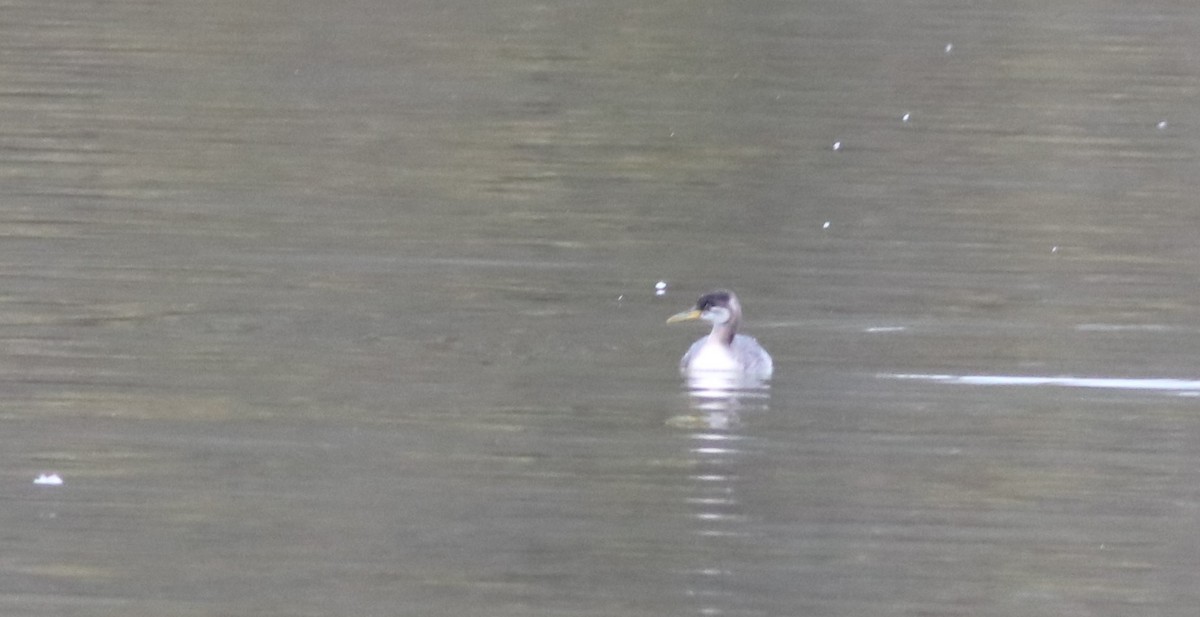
[(51, 479)]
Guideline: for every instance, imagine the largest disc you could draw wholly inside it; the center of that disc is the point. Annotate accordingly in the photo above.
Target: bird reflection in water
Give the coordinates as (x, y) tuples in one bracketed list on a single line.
[(725, 373), (725, 370)]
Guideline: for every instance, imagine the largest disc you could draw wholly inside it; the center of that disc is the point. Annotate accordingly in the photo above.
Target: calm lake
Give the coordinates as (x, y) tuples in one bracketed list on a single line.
[(350, 308)]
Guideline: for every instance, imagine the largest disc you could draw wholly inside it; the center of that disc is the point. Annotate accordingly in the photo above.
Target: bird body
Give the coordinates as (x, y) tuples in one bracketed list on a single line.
[(742, 354), (723, 350)]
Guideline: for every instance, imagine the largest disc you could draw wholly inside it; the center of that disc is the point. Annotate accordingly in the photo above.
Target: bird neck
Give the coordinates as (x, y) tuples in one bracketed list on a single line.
[(723, 333)]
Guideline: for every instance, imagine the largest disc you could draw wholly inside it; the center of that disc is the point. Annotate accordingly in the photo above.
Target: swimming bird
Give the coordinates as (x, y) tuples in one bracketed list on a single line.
[(723, 349)]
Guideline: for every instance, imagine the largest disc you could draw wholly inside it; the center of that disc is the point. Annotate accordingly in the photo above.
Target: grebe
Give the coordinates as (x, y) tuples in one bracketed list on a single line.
[(723, 349)]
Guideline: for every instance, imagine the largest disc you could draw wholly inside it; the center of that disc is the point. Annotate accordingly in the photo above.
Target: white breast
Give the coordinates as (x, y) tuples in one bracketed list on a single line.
[(712, 357), (745, 355)]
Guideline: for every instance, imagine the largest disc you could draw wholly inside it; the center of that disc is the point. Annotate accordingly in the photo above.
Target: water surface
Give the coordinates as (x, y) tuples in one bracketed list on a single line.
[(327, 310)]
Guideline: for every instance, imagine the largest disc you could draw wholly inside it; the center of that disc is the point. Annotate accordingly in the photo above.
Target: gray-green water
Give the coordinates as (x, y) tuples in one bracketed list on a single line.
[(348, 308)]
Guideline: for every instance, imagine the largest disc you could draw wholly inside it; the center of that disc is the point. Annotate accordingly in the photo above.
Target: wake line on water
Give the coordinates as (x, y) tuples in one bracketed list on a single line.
[(1187, 386)]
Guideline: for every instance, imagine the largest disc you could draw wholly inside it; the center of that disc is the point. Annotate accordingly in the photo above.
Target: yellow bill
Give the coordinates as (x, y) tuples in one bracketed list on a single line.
[(691, 315)]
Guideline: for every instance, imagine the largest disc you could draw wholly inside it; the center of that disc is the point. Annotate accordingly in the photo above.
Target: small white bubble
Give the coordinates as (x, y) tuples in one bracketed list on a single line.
[(1054, 249), (1162, 125), (620, 297), (825, 226), (949, 47), (660, 288), (905, 117), (52, 479), (837, 145)]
